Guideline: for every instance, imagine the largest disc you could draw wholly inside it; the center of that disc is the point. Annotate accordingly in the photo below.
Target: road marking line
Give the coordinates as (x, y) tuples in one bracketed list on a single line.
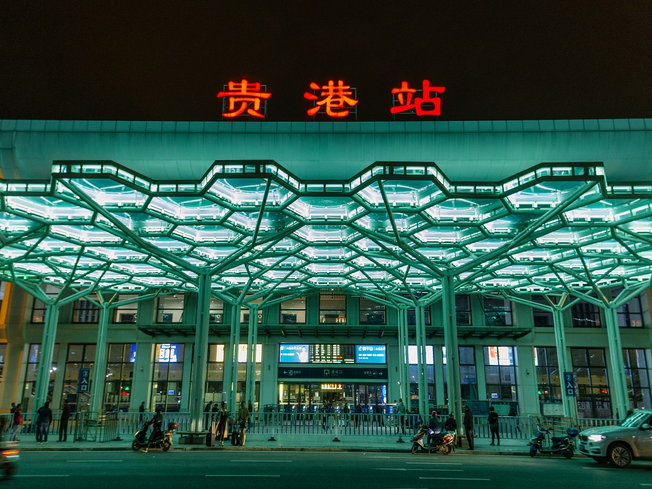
[(241, 475), (452, 479), (424, 470), (643, 484), (265, 461), (91, 461), (433, 463), (381, 457), (38, 475)]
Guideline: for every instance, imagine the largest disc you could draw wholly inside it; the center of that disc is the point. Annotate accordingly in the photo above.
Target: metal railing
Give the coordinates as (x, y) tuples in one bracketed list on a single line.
[(104, 427)]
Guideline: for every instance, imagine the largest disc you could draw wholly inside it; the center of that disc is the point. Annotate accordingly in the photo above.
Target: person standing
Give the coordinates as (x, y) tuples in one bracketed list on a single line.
[(243, 419), (400, 410), (222, 424), (468, 426), (9, 425), (63, 423), (251, 411), (358, 414), (493, 425), (17, 423), (141, 412), (43, 421)]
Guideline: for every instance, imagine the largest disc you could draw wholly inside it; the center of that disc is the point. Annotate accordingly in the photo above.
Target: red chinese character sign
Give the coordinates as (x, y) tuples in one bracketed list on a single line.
[(334, 101), (244, 98), (407, 101)]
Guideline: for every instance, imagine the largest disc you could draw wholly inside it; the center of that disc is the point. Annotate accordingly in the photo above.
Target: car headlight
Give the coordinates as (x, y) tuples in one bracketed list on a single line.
[(596, 437)]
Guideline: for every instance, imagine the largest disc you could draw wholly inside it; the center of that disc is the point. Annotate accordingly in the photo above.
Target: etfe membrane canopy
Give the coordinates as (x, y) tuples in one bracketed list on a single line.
[(390, 231)]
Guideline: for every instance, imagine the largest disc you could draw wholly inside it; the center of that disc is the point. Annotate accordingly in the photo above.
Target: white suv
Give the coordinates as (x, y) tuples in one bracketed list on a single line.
[(631, 440)]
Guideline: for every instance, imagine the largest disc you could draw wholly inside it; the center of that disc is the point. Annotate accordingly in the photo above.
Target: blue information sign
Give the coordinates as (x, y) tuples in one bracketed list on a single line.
[(294, 353), (370, 354), (84, 381), (569, 384)]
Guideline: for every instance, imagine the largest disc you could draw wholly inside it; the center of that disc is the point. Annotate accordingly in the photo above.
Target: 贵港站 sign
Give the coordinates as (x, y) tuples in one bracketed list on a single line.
[(333, 99)]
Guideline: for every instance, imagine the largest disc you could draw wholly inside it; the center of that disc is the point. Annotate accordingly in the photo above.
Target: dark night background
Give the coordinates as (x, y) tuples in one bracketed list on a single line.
[(167, 60)]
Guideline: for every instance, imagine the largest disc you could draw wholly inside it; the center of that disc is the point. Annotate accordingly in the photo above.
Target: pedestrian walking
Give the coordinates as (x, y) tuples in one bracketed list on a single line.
[(207, 412), (243, 418), (400, 410), (141, 411), (358, 414), (493, 425), (43, 420), (63, 423), (468, 426), (17, 423), (251, 411), (222, 425)]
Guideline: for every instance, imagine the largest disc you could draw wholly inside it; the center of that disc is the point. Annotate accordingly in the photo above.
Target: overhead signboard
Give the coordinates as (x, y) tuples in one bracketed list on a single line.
[(370, 354), (332, 353)]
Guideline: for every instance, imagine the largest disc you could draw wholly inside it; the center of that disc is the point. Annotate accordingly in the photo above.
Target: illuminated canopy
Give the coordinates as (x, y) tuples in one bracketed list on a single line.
[(390, 231)]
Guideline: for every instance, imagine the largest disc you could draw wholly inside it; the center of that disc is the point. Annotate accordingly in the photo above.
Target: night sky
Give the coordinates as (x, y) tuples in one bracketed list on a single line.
[(154, 61)]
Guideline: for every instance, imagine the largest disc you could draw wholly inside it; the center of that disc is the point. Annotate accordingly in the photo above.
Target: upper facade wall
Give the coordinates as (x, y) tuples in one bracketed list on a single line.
[(464, 150)]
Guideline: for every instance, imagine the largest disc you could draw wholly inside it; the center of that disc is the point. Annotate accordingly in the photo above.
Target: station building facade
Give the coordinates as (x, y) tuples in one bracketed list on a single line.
[(329, 343)]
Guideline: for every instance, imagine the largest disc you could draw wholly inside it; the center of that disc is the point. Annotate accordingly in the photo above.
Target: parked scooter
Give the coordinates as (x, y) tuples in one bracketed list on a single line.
[(163, 439), (560, 444), (441, 442), (9, 455)]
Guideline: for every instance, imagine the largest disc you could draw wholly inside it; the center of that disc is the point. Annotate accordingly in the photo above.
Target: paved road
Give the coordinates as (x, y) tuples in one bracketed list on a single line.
[(314, 470)]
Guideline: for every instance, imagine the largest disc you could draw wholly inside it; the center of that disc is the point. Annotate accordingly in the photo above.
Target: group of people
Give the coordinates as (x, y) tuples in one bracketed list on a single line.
[(218, 420), (43, 420)]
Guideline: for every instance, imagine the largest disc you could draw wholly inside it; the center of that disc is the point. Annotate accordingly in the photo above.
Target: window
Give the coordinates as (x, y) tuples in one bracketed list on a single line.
[(371, 312), (39, 308), (638, 380), (119, 376), (463, 309), (591, 371), (293, 311), (332, 308), (167, 376), (548, 376), (585, 315), (3, 354), (215, 372), (216, 313), (497, 311), (541, 317), (245, 312), (79, 356), (33, 358), (412, 316), (414, 372), (500, 373), (629, 314), (128, 313), (468, 376), (84, 311), (170, 309)]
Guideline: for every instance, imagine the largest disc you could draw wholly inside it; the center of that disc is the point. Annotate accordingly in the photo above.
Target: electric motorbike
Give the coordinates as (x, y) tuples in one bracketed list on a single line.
[(441, 442), (162, 440), (9, 455), (560, 444)]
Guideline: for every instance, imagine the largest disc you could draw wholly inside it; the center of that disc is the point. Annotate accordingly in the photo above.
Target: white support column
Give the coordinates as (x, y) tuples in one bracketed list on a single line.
[(617, 364), (563, 360), (252, 335), (198, 384), (232, 357), (403, 388), (99, 369), (45, 362), (422, 371), (452, 349)]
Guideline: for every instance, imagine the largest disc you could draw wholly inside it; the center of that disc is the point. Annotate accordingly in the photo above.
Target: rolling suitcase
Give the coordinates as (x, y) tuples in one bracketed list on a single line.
[(210, 439), (235, 438)]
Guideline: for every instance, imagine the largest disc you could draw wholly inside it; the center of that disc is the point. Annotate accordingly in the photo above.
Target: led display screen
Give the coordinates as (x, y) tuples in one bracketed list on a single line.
[(294, 353), (370, 354)]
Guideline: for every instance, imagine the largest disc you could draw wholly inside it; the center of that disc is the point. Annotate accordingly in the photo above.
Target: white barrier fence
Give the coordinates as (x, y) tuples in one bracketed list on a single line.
[(116, 425)]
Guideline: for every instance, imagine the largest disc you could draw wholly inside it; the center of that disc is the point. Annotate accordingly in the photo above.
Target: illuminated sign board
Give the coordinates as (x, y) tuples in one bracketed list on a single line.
[(370, 354), (332, 353), (294, 353), (167, 353), (334, 99), (331, 387)]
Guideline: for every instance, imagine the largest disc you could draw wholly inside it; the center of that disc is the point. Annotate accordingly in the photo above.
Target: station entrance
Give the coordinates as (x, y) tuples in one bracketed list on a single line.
[(315, 397)]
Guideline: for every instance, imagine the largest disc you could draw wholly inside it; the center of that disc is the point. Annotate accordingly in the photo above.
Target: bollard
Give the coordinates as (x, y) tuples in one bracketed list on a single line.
[(336, 439), (117, 435), (271, 438)]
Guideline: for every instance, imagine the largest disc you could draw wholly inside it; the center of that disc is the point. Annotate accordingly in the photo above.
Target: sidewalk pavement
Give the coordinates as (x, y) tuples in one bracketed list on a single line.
[(361, 443)]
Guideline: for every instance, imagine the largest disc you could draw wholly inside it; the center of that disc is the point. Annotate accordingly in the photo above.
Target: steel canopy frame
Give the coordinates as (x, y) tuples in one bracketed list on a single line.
[(253, 230)]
